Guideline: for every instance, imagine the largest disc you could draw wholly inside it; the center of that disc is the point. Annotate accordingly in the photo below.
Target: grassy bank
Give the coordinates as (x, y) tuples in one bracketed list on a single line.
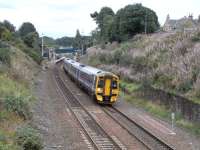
[(159, 111), (15, 102)]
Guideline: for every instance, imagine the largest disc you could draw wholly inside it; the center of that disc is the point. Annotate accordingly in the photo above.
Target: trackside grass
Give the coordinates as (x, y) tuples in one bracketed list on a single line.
[(159, 111), (15, 102)]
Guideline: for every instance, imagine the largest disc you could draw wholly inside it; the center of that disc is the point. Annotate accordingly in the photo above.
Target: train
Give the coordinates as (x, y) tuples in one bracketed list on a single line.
[(103, 86)]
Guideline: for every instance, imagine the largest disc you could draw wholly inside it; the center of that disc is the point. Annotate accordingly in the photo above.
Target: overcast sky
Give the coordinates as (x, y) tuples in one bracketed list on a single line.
[(57, 18)]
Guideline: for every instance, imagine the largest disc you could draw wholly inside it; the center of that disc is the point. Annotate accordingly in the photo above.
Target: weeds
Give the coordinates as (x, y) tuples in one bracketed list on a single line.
[(28, 138), (5, 56), (19, 105)]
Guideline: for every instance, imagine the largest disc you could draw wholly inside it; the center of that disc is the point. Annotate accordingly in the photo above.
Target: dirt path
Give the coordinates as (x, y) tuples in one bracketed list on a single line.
[(58, 128)]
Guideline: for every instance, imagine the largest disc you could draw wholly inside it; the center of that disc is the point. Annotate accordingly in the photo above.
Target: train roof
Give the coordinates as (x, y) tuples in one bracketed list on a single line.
[(87, 69)]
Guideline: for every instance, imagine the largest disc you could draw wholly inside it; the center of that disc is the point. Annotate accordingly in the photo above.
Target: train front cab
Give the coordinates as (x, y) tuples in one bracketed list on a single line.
[(107, 89)]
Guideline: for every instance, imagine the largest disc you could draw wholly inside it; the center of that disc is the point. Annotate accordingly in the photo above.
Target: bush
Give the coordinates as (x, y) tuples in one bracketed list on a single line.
[(140, 63), (196, 38), (185, 86), (3, 116), (5, 55), (19, 105), (34, 54), (4, 143), (7, 147), (163, 80), (28, 138)]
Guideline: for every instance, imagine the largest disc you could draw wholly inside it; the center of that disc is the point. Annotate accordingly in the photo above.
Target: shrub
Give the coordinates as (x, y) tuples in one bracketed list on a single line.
[(140, 63), (28, 138), (5, 55), (161, 80), (3, 116), (2, 137), (19, 105), (196, 38), (34, 54), (4, 143), (7, 147), (185, 86)]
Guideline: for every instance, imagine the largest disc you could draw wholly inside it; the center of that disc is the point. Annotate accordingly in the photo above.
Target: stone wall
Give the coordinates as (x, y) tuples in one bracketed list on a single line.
[(188, 109)]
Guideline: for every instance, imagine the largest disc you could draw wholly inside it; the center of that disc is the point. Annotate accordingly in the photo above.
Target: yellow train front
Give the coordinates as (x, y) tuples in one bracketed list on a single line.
[(107, 88), (102, 85)]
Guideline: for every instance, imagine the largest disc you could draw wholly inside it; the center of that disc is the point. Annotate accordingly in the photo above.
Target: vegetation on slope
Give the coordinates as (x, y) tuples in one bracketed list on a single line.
[(17, 70), (26, 38), (163, 60)]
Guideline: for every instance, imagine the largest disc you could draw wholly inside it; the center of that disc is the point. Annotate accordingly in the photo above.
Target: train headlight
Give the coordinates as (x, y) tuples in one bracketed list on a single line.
[(99, 90)]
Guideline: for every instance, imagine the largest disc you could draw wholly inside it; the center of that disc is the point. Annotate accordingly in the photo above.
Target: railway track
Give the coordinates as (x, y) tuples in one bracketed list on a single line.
[(97, 135), (133, 128)]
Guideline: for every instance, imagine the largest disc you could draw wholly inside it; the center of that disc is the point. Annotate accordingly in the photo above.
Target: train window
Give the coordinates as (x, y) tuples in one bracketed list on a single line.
[(114, 84), (101, 83)]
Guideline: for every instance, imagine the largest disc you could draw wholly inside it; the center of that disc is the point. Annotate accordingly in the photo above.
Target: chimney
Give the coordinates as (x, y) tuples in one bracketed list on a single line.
[(190, 17)]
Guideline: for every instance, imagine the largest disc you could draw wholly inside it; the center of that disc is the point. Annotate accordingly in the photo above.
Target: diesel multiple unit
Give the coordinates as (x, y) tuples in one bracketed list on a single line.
[(102, 85)]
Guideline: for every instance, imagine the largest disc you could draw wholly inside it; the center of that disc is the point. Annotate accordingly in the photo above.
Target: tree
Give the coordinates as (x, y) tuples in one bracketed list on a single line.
[(77, 40), (104, 20), (31, 39), (5, 34), (133, 18), (65, 41), (127, 22), (9, 26), (26, 28)]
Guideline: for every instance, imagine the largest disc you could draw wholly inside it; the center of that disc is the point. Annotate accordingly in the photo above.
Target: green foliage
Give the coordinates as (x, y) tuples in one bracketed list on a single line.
[(132, 20), (3, 116), (105, 19), (160, 80), (4, 143), (192, 127), (185, 86), (78, 43), (19, 105), (127, 22), (5, 55), (131, 86), (31, 39), (5, 33), (4, 146), (28, 138), (49, 42), (31, 52), (196, 38), (65, 41), (26, 28), (9, 26), (16, 97)]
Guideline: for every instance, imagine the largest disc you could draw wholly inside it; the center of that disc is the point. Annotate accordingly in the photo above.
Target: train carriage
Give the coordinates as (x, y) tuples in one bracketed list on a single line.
[(104, 86)]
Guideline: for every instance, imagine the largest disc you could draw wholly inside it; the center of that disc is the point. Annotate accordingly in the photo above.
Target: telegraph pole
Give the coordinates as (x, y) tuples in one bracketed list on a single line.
[(145, 23), (42, 45), (82, 40)]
